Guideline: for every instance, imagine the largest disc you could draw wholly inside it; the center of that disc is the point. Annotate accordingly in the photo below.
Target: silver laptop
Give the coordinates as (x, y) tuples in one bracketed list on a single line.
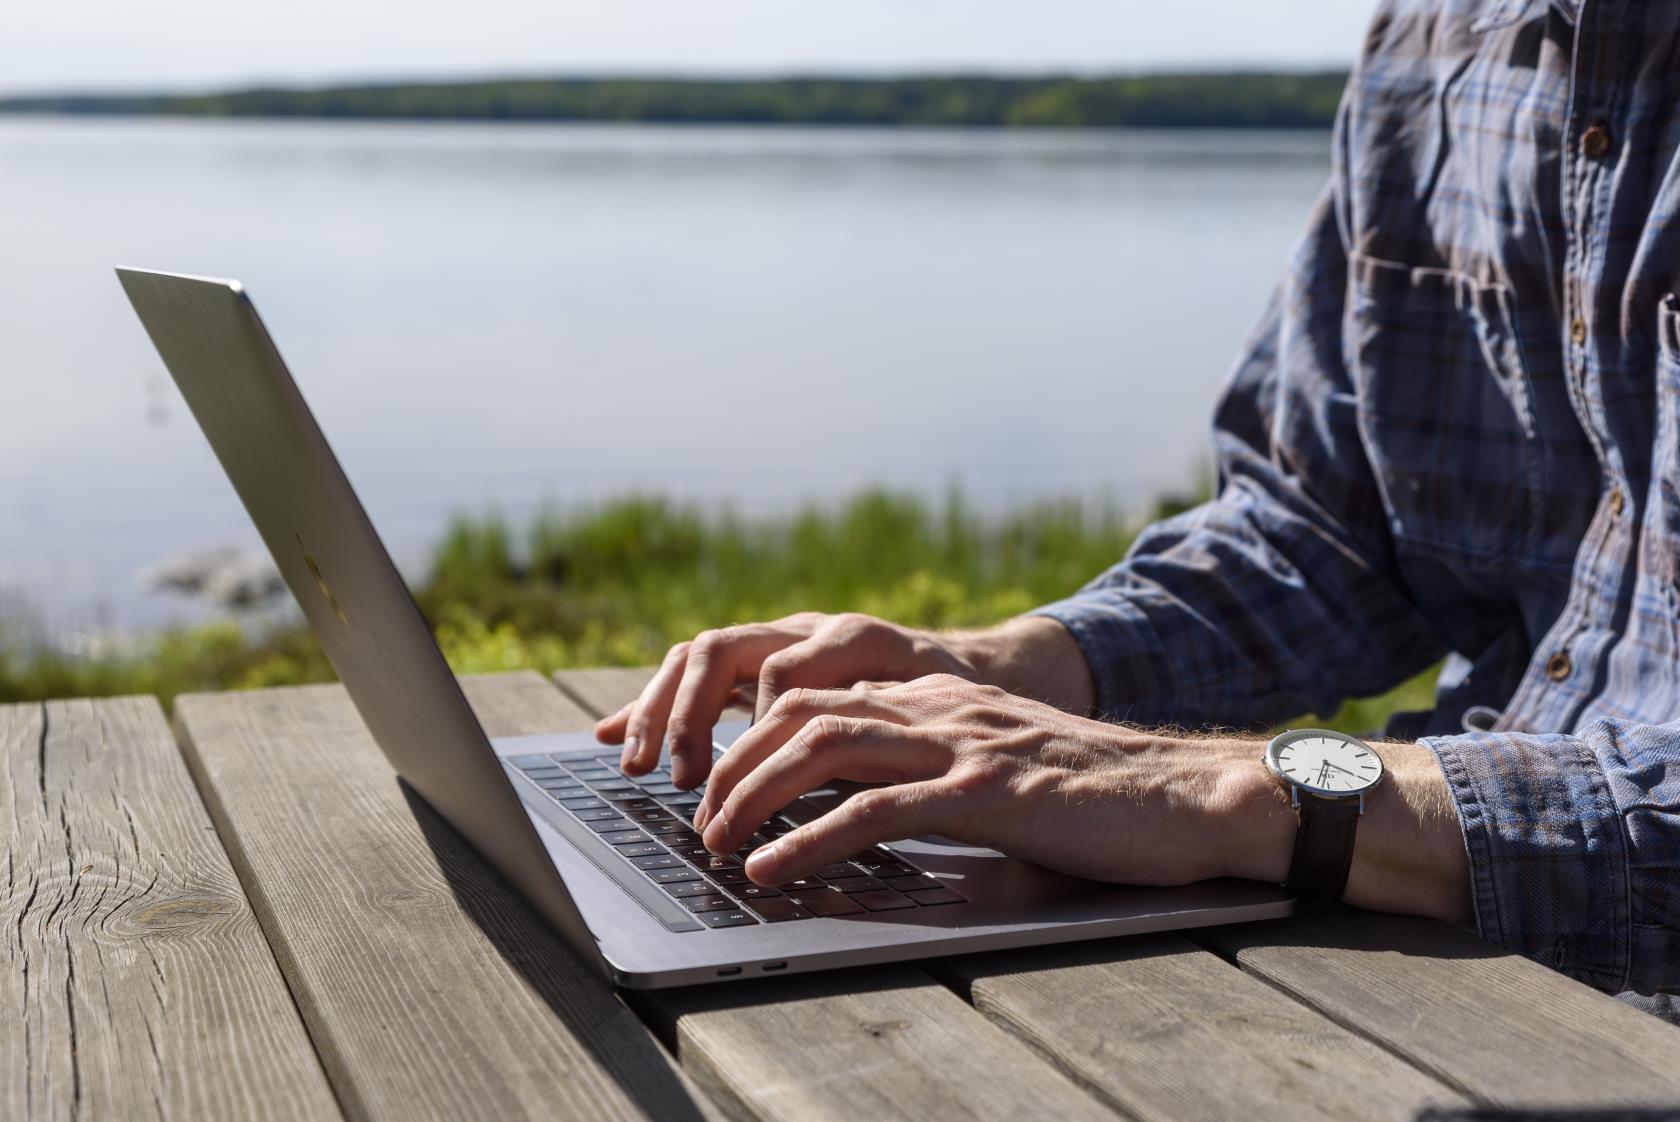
[(612, 863)]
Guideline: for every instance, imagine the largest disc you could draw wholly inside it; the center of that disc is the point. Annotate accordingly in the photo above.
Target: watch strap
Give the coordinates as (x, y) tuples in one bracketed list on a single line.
[(1318, 871)]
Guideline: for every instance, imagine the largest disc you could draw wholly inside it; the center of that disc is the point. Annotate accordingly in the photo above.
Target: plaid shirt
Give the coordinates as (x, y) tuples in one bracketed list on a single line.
[(1457, 432)]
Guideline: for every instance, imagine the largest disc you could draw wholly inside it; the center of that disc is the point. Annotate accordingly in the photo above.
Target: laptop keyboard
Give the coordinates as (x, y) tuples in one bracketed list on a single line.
[(649, 823)]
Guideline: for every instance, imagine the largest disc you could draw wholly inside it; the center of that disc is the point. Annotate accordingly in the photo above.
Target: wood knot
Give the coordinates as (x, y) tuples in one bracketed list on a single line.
[(879, 1029), (185, 912), (405, 899)]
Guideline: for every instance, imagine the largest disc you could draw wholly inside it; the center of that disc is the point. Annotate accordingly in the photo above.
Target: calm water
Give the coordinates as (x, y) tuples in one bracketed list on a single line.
[(497, 316)]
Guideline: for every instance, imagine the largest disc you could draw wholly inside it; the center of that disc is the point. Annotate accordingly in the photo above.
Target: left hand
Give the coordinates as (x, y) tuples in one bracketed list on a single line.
[(982, 766)]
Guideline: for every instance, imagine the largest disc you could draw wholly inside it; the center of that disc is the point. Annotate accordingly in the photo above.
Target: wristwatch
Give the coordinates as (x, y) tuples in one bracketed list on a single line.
[(1328, 774)]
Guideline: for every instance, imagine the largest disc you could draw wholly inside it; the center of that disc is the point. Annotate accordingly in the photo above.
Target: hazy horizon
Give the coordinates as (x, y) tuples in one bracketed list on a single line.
[(199, 45)]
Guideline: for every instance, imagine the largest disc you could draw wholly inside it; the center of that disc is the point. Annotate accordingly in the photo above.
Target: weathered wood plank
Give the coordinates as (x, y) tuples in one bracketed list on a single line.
[(876, 1043), (604, 690), (431, 990), (1162, 1029), (139, 983), (1499, 1027)]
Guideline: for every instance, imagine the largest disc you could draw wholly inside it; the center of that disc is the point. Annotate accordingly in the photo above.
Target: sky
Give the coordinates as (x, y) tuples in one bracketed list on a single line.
[(197, 44)]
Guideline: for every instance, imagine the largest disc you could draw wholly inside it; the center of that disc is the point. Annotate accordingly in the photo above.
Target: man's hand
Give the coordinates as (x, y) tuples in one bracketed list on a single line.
[(761, 661), (980, 765)]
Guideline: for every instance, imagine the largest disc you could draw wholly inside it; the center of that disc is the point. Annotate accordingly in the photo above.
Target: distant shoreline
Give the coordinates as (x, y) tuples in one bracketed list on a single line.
[(1215, 100)]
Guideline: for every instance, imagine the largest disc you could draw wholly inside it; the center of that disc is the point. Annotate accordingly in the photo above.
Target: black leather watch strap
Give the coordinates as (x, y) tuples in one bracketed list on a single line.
[(1323, 848)]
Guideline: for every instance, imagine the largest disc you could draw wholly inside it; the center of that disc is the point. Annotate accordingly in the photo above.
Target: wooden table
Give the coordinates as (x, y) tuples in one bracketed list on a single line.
[(243, 917)]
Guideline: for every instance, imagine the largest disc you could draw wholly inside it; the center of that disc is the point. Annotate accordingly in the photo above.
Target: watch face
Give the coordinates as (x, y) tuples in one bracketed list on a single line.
[(1324, 762)]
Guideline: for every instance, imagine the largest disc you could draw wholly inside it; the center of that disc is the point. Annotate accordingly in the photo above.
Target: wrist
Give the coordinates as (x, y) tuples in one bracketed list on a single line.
[(1253, 823), (1032, 656)]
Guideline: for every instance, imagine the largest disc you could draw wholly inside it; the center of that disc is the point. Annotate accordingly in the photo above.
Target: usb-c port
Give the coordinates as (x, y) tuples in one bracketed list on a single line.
[(729, 971), (769, 966)]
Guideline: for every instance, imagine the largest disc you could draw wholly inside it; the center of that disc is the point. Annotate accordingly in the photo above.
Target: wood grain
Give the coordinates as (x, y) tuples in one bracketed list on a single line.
[(139, 982), (1163, 1030), (1502, 1029), (431, 990), (605, 690), (873, 1043)]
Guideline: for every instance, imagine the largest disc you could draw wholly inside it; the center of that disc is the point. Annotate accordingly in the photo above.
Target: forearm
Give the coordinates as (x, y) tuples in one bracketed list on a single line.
[(1409, 855), (1032, 656)]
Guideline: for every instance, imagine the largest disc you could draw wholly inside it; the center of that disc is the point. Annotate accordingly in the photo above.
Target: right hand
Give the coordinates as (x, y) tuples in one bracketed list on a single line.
[(702, 677)]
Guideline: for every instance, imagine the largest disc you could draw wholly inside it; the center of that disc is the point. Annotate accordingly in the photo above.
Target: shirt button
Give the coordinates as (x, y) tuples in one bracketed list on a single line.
[(1578, 331), (1595, 142), (1558, 667), (1616, 501)]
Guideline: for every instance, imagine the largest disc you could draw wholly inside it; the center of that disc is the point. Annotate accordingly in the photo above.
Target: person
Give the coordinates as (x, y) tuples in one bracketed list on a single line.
[(1455, 434)]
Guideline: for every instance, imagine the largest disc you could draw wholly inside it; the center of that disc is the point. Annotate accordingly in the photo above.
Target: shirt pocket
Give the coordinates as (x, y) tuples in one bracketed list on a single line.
[(1445, 411), (1660, 534)]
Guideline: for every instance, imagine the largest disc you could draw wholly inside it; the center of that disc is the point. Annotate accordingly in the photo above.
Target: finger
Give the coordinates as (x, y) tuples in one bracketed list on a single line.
[(826, 749), (880, 814), (611, 730), (775, 729), (820, 662), (717, 661), (646, 728)]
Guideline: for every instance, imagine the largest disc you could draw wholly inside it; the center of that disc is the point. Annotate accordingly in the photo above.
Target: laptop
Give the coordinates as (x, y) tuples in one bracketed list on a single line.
[(612, 863)]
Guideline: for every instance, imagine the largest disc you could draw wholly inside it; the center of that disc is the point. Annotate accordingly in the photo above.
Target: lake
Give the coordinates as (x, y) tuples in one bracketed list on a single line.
[(512, 316)]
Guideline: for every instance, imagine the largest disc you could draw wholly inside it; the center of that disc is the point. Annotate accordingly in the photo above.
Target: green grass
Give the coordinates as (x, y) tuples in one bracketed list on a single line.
[(619, 583)]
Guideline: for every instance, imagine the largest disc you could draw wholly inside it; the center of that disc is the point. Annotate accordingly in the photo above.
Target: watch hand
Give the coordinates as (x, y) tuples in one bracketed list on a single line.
[(1343, 770)]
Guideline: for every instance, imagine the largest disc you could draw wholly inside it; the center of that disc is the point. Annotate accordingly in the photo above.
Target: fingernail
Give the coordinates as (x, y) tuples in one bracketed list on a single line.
[(679, 770), (702, 815), (762, 862), (631, 744)]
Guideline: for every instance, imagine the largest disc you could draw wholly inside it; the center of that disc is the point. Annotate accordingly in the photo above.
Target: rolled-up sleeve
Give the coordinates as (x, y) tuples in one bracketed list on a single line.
[(1574, 845)]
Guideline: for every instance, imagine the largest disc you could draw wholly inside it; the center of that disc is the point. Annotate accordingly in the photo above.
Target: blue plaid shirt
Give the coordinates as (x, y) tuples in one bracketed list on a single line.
[(1457, 433)]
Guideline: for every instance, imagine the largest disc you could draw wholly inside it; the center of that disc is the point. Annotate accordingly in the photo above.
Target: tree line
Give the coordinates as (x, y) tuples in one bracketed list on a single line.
[(1184, 100)]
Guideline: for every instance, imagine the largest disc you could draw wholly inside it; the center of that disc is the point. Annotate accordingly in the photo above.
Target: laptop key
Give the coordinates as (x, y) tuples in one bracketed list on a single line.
[(750, 891), (777, 909), (940, 895), (825, 901), (628, 800), (712, 903), (624, 836), (684, 888), (670, 827), (711, 862), (691, 850), (606, 825), (652, 814), (801, 883), (583, 804), (526, 763), (884, 900), (672, 876), (657, 861), (661, 788), (921, 882), (641, 849), (614, 784), (727, 877), (853, 885), (839, 872), (728, 919), (598, 814), (894, 869)]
